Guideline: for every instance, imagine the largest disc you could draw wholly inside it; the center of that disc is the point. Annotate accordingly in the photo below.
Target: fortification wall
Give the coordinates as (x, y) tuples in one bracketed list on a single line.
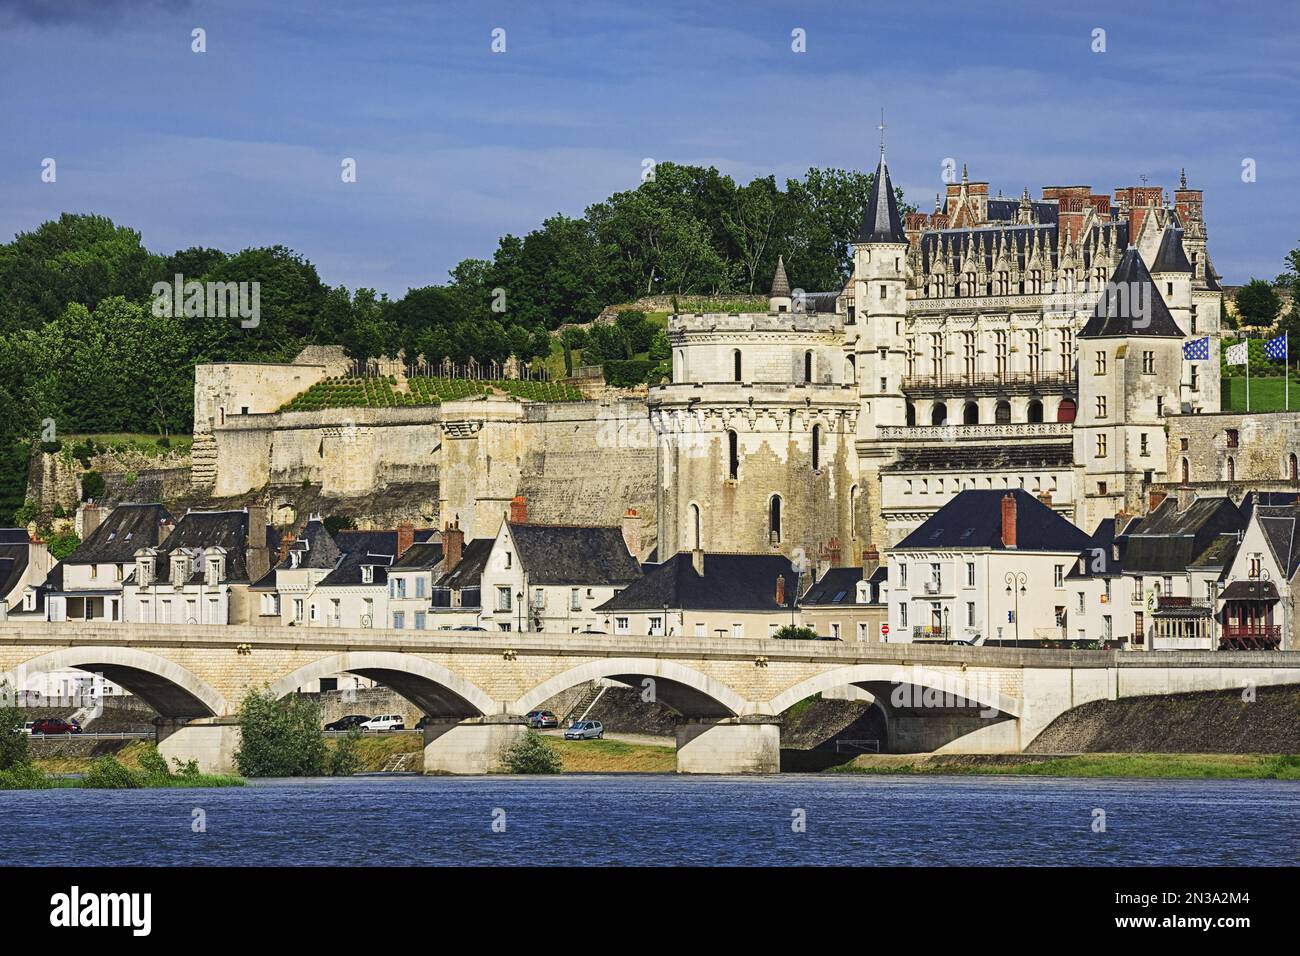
[(1265, 442)]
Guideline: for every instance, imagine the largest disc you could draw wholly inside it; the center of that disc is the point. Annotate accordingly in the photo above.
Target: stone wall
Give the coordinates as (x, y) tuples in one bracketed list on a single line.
[(1264, 443)]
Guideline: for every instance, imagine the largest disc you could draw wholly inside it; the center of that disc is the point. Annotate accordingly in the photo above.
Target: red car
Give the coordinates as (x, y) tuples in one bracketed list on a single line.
[(55, 725)]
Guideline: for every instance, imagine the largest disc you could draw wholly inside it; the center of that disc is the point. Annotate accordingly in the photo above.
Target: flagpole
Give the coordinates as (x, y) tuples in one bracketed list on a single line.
[(1247, 341), (1286, 362)]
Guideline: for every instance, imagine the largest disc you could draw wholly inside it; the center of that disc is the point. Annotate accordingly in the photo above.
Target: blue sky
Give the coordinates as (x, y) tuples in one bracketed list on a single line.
[(456, 145)]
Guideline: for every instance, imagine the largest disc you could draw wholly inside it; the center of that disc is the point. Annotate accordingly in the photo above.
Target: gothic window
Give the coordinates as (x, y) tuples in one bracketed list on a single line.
[(968, 355), (1035, 411), (851, 370), (910, 412), (735, 357), (970, 414), (696, 536), (1067, 351), (1002, 414), (1232, 469), (807, 366), (1185, 471), (939, 414), (733, 455), (970, 283), (1000, 352), (1292, 470), (1035, 352), (936, 355), (774, 520)]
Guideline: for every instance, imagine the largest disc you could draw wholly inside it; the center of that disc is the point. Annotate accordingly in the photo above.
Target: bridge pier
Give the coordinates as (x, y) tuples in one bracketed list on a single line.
[(731, 745), (471, 746), (211, 741)]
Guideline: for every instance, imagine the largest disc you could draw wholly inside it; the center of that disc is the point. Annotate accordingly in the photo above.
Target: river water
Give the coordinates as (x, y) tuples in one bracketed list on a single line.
[(663, 819)]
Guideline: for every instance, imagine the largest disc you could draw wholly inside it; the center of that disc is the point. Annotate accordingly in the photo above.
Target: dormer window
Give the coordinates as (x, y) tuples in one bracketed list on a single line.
[(214, 571), (367, 574), (295, 558)]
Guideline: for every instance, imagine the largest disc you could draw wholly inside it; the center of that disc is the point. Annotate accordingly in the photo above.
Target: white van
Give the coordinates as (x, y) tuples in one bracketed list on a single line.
[(385, 722)]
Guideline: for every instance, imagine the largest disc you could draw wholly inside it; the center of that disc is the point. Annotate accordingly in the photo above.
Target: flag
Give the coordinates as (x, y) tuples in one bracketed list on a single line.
[(1276, 348), (1197, 350), (1238, 354)]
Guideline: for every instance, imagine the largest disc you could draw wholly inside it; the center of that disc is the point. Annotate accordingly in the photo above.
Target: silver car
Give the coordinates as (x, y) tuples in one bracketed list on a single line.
[(585, 730)]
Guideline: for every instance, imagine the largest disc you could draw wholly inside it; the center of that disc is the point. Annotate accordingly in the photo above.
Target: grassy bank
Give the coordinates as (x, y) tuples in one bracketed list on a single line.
[(1189, 766), (612, 756)]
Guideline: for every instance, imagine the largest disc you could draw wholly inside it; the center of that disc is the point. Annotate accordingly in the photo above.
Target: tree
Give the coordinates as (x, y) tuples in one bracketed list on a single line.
[(532, 754), (280, 738), (1258, 304)]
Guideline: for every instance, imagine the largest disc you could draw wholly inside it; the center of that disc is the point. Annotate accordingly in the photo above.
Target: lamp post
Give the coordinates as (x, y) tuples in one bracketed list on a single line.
[(1016, 581)]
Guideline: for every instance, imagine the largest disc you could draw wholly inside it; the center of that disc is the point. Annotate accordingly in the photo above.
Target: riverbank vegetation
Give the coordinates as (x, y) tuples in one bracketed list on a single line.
[(281, 737), (1149, 765)]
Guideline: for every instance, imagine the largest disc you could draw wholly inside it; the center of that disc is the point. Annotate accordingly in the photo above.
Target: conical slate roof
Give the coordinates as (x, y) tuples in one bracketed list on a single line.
[(1131, 304), (1170, 257), (780, 284), (880, 221)]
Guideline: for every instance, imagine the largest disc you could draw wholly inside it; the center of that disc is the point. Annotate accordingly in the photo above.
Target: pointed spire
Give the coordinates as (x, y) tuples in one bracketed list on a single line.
[(881, 221), (1170, 256), (1182, 178), (780, 284)]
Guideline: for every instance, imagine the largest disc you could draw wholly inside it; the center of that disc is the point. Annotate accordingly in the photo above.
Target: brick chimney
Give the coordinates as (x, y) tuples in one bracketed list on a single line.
[(88, 519), (833, 554), (632, 532), (697, 561), (1046, 498), (1154, 500), (519, 510), (1008, 520), (453, 545), (870, 562), (257, 556), (405, 537), (780, 589), (287, 538)]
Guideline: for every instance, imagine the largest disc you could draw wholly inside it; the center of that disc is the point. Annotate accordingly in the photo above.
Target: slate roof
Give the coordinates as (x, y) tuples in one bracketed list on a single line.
[(467, 574), (14, 536), (979, 459), (125, 530), (317, 547), (14, 552), (1098, 557), (348, 570), (731, 582), (1250, 591), (1170, 257), (1122, 315), (839, 586), (780, 282), (573, 554), (212, 529), (1168, 540), (973, 519), (880, 220), (420, 557), (1279, 527)]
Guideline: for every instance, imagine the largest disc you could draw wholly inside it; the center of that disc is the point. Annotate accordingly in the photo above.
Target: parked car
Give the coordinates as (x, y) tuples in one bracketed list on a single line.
[(385, 722), (347, 723), (469, 627), (585, 730), (423, 722), (55, 725), (542, 719), (27, 727)]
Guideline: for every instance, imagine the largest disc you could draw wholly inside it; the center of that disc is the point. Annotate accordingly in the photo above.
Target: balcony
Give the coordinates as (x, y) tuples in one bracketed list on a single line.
[(930, 632), (1257, 637), (949, 433)]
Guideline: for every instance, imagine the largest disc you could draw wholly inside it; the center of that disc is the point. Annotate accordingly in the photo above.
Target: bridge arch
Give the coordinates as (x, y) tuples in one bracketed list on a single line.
[(682, 688), (436, 690), (164, 685), (876, 679)]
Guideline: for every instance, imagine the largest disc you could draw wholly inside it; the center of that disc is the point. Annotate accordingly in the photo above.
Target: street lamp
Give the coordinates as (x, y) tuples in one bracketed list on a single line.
[(1016, 581)]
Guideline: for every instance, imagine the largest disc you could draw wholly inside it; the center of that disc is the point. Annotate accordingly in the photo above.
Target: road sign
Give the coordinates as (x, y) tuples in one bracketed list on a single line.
[(884, 630)]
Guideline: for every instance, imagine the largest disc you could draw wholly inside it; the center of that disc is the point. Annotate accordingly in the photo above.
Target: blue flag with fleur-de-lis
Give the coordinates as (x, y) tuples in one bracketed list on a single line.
[(1197, 350), (1276, 348)]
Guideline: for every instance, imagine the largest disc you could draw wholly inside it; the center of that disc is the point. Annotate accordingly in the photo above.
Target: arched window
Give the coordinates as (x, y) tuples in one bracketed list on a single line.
[(1187, 470), (1232, 469), (1065, 411), (735, 357), (1292, 469), (853, 510), (1035, 411), (939, 414), (970, 414), (1002, 414), (851, 370), (733, 455), (910, 411), (679, 372), (817, 447), (774, 520), (807, 367), (696, 533)]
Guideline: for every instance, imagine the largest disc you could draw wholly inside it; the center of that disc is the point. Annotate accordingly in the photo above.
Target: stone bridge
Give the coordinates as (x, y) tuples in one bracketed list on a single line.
[(728, 692)]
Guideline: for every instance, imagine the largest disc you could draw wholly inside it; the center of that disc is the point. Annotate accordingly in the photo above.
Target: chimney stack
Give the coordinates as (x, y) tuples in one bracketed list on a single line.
[(1046, 498), (453, 545), (1154, 500), (405, 537), (519, 510), (256, 554), (870, 562), (697, 561), (1009, 520), (632, 532), (88, 519), (833, 552), (780, 589)]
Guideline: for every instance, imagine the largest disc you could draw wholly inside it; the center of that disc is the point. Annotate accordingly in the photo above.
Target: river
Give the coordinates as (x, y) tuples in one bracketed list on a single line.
[(662, 819)]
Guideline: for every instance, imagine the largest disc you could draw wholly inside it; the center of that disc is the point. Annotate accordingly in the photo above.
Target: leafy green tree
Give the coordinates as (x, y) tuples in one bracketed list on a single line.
[(280, 738), (63, 543), (532, 754), (13, 742), (1258, 304)]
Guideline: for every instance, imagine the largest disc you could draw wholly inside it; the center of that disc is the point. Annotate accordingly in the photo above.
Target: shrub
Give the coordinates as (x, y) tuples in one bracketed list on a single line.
[(792, 633), (280, 738), (92, 486), (344, 761), (164, 442), (52, 447), (107, 774), (153, 766), (63, 543), (532, 754), (23, 777), (13, 742)]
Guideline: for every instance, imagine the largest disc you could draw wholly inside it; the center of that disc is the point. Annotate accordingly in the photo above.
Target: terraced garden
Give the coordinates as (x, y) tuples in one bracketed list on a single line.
[(383, 392)]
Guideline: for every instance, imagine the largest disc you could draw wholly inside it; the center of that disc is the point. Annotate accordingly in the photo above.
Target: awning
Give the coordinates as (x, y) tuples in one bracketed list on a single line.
[(1265, 591)]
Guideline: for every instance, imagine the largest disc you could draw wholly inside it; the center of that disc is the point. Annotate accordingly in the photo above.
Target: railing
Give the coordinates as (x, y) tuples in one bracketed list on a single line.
[(947, 433), (963, 380), (929, 632), (1251, 631)]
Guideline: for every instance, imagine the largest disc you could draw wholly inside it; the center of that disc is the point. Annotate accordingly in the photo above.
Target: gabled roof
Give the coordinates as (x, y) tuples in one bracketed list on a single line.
[(317, 549), (839, 586), (127, 529), (14, 536), (420, 557), (973, 520), (1280, 530), (348, 570), (880, 220), (731, 582), (15, 549), (571, 554), (1170, 256), (1130, 304), (1168, 540), (1098, 557)]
